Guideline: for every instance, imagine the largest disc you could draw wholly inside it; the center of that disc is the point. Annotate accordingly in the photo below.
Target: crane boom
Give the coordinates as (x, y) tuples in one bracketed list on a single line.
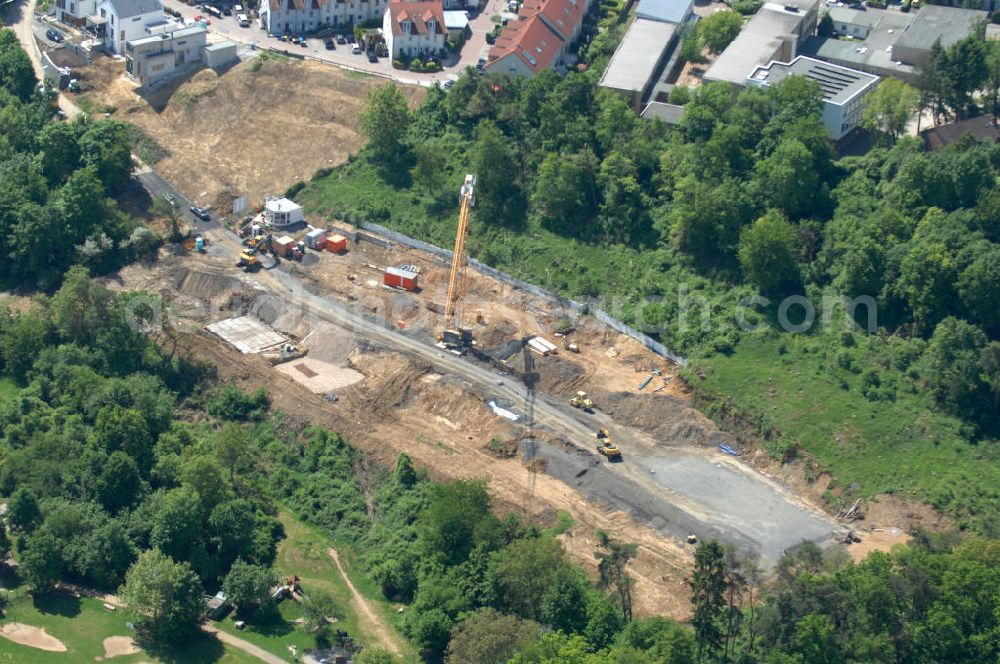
[(454, 308)]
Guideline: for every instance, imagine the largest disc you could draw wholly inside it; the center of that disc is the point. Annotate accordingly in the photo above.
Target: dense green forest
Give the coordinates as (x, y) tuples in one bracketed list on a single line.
[(56, 180), (682, 230)]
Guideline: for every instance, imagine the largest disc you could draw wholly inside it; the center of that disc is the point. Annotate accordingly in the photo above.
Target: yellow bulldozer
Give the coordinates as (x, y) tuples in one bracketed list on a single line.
[(582, 401), (606, 446)]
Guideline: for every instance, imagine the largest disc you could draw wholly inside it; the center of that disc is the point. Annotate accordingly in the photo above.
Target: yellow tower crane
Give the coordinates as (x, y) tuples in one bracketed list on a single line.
[(455, 333)]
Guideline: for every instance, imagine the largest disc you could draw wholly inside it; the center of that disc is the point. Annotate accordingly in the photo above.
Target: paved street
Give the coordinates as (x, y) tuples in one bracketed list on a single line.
[(228, 28)]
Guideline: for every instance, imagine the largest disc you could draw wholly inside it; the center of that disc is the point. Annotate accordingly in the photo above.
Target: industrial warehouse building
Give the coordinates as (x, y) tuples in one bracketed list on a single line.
[(647, 51), (637, 60), (892, 43), (844, 90), (776, 32)]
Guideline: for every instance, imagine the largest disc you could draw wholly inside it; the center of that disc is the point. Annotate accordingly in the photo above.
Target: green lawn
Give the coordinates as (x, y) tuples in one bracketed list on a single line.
[(304, 553), (901, 447), (7, 389), (83, 624)]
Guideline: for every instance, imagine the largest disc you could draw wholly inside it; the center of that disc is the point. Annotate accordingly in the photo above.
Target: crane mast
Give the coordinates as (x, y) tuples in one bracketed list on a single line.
[(454, 307)]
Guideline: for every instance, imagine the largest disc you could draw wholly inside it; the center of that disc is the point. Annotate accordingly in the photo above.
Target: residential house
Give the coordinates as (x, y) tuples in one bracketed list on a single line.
[(844, 90), (75, 12), (298, 16), (127, 20), (539, 39), (982, 129), (414, 28), (155, 57), (525, 48)]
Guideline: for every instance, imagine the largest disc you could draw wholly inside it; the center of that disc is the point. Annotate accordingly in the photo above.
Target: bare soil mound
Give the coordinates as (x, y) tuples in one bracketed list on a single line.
[(668, 419), (246, 131), (117, 646), (31, 636)]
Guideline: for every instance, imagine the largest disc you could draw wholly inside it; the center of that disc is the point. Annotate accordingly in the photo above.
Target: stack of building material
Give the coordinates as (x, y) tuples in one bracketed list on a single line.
[(283, 246), (541, 346)]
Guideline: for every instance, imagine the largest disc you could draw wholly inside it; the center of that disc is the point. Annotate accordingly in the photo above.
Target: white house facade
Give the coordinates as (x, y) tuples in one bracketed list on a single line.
[(414, 28), (127, 20), (298, 16)]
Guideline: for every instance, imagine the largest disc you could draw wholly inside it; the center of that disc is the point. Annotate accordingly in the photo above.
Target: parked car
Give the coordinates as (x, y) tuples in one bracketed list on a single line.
[(341, 39), (447, 84), (351, 39), (372, 57), (55, 36), (200, 212), (302, 40), (356, 50), (330, 46), (226, 11)]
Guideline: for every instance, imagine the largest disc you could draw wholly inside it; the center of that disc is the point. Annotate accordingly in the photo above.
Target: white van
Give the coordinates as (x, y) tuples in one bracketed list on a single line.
[(243, 20)]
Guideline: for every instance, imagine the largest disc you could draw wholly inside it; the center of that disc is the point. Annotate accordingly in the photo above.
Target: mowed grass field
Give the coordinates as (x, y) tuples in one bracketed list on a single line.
[(899, 447), (83, 624)]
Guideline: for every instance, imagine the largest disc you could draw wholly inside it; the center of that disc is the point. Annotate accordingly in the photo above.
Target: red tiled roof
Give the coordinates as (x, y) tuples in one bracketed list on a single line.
[(419, 13), (531, 40), (563, 16)]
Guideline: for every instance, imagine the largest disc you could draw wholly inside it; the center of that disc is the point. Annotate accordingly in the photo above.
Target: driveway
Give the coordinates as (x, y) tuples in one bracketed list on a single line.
[(20, 17), (228, 28)]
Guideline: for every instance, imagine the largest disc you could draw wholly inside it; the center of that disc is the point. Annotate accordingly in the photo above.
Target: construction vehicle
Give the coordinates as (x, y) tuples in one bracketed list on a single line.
[(571, 346), (455, 334), (606, 446), (582, 401), (249, 261)]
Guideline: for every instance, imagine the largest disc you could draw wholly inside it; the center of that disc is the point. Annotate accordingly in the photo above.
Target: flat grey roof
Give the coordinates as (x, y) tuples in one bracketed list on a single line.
[(671, 11), (669, 113), (839, 84), (220, 46), (173, 34), (932, 23), (759, 41), (865, 17), (634, 63), (874, 53)]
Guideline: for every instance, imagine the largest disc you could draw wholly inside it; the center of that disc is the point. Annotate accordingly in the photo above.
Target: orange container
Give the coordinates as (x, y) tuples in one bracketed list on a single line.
[(336, 243)]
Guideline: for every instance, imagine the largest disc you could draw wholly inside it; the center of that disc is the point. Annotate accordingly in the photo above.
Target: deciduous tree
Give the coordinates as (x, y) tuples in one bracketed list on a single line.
[(384, 120), (166, 596)]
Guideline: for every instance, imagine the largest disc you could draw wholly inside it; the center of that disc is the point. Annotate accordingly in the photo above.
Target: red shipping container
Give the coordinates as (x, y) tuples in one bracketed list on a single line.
[(336, 243), (398, 278)]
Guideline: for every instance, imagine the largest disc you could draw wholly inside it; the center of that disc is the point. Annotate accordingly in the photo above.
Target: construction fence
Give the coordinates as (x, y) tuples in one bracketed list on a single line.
[(578, 307)]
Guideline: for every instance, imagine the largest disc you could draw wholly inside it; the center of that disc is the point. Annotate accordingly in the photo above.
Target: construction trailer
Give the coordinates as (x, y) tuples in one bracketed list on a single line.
[(336, 244), (397, 277), (316, 239)]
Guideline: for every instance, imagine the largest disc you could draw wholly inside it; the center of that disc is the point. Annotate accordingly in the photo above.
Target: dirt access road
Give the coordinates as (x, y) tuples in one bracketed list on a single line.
[(386, 635)]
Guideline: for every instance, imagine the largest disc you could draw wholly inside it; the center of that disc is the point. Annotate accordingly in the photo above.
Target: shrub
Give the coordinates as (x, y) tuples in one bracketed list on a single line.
[(235, 404), (295, 189)]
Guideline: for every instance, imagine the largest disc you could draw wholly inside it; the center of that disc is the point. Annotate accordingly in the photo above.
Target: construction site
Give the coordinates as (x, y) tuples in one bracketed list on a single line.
[(402, 350)]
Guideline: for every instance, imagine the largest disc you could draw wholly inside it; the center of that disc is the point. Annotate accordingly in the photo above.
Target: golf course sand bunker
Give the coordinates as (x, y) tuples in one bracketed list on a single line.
[(33, 637), (116, 646)]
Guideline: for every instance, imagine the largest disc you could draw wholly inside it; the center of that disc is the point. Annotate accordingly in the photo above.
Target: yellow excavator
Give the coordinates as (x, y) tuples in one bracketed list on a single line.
[(248, 260), (582, 401), (606, 446)]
